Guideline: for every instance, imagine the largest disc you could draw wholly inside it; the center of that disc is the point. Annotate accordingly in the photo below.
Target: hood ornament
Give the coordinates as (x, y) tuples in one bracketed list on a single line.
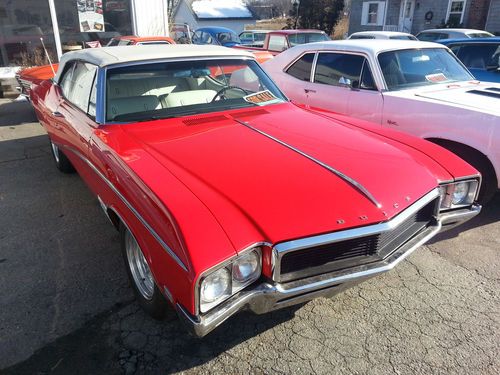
[(346, 178)]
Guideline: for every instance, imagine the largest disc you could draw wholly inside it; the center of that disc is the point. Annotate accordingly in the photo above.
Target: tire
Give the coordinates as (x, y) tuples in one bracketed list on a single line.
[(141, 279), (489, 184), (62, 162)]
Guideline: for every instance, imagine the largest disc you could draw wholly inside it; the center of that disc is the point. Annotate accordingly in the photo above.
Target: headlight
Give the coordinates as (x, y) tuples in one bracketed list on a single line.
[(458, 194), (246, 268), (230, 279), (215, 286)]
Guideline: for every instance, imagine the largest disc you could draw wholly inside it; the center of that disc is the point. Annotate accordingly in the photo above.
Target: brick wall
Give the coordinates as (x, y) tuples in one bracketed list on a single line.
[(478, 11)]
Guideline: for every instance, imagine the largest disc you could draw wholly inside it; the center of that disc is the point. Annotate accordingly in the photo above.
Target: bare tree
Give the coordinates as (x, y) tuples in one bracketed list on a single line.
[(270, 8)]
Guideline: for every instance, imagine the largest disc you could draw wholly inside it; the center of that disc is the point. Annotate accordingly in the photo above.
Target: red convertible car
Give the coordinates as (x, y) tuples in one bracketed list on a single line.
[(229, 197)]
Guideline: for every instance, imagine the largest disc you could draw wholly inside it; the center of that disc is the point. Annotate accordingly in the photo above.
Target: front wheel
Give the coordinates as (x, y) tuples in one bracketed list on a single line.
[(147, 293), (62, 162)]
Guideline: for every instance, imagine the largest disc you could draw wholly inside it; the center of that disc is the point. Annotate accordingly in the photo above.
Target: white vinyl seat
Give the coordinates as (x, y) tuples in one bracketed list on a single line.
[(179, 99), (132, 87), (120, 106)]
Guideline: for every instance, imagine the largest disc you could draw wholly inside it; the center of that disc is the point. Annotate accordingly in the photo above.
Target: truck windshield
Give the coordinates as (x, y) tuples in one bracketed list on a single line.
[(303, 38), (172, 89), (420, 67)]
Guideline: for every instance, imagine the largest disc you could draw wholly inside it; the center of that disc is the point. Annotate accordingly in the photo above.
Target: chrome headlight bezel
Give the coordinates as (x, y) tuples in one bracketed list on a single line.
[(449, 198), (235, 286)]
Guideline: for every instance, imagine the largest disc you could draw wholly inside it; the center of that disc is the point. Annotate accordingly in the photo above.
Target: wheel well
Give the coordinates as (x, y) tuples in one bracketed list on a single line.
[(113, 216), (467, 153)]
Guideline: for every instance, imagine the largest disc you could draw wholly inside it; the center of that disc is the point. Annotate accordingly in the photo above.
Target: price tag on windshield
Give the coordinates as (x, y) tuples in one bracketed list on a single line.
[(261, 98), (436, 78)]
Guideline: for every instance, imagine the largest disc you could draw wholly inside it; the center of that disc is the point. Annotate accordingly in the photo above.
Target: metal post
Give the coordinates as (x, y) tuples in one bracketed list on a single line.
[(55, 28), (134, 18), (297, 7)]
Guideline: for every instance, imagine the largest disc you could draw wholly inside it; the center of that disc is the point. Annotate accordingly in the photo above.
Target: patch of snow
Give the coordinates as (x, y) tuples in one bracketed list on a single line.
[(220, 9), (8, 72)]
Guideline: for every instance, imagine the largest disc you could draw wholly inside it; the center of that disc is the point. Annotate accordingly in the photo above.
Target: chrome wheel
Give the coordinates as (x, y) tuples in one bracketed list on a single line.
[(139, 268), (55, 151)]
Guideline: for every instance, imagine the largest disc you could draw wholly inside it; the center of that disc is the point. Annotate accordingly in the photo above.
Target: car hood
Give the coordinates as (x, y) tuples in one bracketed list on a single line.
[(267, 168), (479, 96)]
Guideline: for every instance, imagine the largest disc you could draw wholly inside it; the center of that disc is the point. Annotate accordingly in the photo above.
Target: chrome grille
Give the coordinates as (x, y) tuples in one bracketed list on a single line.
[(338, 255)]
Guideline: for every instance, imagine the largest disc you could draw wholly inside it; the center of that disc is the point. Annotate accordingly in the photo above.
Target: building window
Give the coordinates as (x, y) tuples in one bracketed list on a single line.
[(456, 10), (372, 13)]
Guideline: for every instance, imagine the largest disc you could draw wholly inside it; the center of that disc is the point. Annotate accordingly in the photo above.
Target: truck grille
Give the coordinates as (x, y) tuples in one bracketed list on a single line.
[(354, 251)]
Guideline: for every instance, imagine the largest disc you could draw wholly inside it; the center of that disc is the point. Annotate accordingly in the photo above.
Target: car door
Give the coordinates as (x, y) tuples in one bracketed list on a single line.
[(365, 100), (333, 75), (75, 114), (297, 77)]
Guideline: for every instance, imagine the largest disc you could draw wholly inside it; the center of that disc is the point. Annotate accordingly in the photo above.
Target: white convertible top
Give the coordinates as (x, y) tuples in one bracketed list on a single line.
[(106, 56)]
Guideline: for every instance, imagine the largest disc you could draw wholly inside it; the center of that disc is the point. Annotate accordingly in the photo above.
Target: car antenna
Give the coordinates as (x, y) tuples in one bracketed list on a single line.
[(48, 57)]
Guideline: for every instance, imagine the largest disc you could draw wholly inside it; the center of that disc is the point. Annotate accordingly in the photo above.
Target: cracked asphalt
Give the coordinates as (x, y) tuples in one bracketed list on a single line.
[(66, 306)]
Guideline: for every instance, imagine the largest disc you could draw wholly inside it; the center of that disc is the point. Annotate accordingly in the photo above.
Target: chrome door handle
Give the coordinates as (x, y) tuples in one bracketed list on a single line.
[(57, 114), (307, 91)]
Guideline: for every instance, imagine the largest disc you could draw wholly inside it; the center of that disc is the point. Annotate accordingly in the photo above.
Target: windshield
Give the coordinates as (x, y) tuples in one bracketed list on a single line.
[(259, 37), (173, 89), (420, 67), (480, 35), (228, 38), (403, 37), (303, 38)]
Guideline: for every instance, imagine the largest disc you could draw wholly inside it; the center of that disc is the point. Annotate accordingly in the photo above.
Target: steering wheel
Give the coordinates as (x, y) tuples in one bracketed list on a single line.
[(224, 89)]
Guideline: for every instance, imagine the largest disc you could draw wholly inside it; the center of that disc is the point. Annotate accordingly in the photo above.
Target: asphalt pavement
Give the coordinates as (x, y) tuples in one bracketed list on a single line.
[(66, 306)]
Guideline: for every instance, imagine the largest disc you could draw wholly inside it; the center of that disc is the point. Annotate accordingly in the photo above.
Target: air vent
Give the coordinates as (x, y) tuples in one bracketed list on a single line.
[(204, 120), (485, 93), (253, 112)]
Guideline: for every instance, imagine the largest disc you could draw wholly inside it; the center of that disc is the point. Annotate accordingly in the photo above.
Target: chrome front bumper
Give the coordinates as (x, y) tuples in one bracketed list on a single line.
[(268, 296)]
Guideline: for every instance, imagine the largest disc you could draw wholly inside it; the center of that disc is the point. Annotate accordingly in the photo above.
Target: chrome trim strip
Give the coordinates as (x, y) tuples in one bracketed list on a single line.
[(129, 206), (346, 178), (285, 247)]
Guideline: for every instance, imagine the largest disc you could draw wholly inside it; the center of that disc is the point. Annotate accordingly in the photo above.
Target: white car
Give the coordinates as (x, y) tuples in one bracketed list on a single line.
[(420, 88), (431, 35), (382, 35)]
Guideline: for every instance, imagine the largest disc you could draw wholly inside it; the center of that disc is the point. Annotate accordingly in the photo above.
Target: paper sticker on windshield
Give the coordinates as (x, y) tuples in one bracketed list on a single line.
[(261, 98), (436, 78)]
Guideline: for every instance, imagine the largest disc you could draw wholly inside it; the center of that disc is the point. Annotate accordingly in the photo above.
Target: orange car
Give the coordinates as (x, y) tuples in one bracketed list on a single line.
[(131, 40)]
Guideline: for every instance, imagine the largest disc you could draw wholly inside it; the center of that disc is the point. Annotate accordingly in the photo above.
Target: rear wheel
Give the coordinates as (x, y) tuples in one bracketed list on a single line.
[(62, 162), (147, 293)]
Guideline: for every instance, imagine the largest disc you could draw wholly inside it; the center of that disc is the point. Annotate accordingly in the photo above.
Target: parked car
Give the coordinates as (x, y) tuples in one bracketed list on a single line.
[(220, 36), (481, 56), (419, 88), (223, 199), (382, 35), (433, 35), (280, 40), (253, 38), (132, 40)]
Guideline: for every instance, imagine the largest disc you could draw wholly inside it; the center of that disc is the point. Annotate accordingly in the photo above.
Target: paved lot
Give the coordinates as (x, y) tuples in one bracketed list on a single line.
[(66, 306)]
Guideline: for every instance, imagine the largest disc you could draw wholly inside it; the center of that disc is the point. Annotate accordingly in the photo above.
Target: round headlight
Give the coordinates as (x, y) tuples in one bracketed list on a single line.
[(215, 286), (246, 267), (460, 192)]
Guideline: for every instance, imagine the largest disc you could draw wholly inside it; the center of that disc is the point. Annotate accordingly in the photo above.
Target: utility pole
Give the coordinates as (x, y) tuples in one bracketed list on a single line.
[(55, 28)]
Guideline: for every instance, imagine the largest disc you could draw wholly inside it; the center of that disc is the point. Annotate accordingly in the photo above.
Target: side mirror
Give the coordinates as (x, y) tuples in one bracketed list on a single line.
[(345, 82)]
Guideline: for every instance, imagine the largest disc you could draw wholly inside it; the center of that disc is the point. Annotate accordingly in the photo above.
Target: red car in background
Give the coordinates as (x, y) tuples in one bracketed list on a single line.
[(277, 41), (132, 40), (229, 197)]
